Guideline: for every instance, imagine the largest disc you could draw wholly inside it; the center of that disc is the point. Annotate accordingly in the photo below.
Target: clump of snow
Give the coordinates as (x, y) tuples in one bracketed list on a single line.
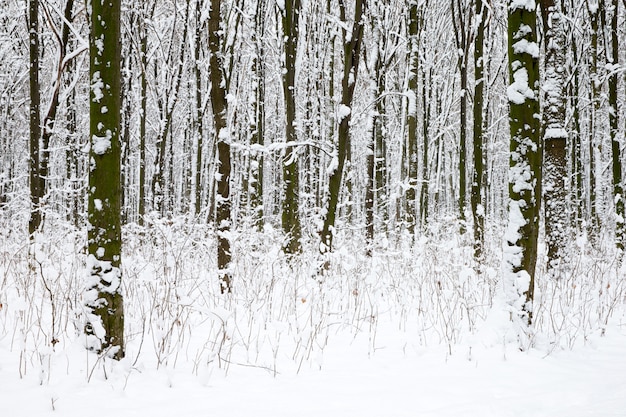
[(99, 42), (519, 91), (101, 144), (555, 133), (343, 111), (412, 102), (523, 46), (97, 85), (529, 5)]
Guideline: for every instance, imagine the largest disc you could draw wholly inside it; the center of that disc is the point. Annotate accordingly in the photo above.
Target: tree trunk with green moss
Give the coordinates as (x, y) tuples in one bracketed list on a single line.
[(525, 157), (105, 321)]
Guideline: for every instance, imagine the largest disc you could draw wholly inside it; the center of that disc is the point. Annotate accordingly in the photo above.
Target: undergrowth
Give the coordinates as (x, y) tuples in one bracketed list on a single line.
[(284, 312)]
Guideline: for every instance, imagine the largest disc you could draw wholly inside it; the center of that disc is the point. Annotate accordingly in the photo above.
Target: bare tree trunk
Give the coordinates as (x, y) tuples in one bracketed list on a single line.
[(424, 189), (105, 326), (461, 20), (477, 200), (577, 167), (290, 214), (618, 189), (36, 193), (143, 31), (414, 30), (352, 54), (199, 110), (525, 156), (555, 135), (593, 8), (222, 138), (257, 139)]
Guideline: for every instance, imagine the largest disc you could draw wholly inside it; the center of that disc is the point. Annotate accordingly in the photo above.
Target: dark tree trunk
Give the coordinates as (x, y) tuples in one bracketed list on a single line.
[(352, 54), (222, 138), (526, 154), (36, 193), (105, 326)]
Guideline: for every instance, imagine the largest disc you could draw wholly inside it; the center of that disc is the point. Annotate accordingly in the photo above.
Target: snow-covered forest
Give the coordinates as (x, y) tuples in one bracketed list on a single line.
[(202, 196)]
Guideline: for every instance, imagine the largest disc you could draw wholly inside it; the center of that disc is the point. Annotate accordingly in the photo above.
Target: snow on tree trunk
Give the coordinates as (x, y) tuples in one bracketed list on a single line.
[(476, 199), (520, 253), (219, 106), (35, 125), (352, 54), (414, 28), (290, 215), (103, 297), (554, 135), (618, 188)]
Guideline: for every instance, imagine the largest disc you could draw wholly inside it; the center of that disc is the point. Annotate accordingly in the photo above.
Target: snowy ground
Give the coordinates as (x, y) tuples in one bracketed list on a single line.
[(589, 381), (413, 332)]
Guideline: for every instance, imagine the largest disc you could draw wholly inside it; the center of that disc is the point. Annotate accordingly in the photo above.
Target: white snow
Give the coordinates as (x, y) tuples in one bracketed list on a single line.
[(523, 46), (411, 332), (519, 90), (101, 144), (412, 102), (99, 44), (529, 5), (342, 112), (555, 133), (96, 87), (481, 382)]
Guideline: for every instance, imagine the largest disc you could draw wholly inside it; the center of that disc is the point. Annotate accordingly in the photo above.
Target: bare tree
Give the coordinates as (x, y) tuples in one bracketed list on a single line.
[(526, 155), (105, 326), (352, 55), (554, 134), (222, 137), (290, 13)]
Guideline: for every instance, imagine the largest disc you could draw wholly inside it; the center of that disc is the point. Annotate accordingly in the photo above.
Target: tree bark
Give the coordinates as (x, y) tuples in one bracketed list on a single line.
[(105, 327), (554, 135), (414, 29), (143, 56), (257, 138), (352, 54), (461, 26), (290, 214), (593, 8), (199, 110), (525, 156), (222, 138), (476, 200), (36, 192), (618, 189)]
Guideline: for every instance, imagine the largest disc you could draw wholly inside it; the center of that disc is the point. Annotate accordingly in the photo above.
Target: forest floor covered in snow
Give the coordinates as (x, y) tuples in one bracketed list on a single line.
[(413, 331)]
